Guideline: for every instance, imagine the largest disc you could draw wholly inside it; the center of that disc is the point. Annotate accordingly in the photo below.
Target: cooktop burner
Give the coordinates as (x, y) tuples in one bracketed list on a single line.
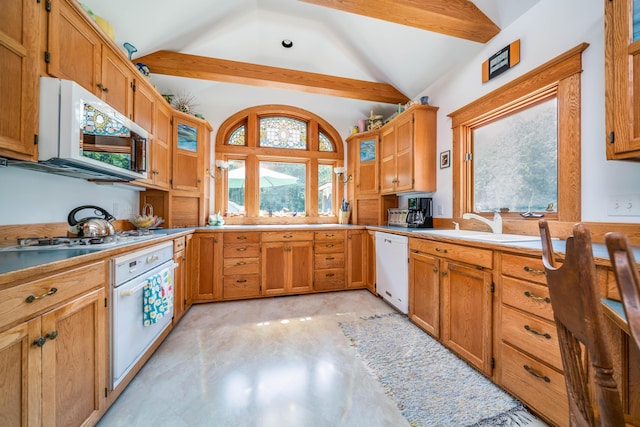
[(61, 242)]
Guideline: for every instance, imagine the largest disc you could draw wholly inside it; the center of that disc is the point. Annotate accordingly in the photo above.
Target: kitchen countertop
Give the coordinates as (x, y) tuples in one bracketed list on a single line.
[(24, 263)]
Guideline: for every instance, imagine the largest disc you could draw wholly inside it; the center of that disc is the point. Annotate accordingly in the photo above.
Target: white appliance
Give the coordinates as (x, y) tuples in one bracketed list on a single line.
[(392, 269), (82, 136), (130, 339)]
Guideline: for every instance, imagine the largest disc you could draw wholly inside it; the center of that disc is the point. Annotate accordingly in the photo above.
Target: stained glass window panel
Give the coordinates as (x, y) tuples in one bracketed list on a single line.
[(238, 137), (283, 132), (94, 122), (325, 143)]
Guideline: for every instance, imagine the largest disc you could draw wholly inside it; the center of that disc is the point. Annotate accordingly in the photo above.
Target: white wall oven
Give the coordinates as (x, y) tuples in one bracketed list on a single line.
[(142, 304)]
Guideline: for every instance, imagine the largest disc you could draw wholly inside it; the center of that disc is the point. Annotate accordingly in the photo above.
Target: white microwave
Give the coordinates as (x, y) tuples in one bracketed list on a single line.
[(82, 136)]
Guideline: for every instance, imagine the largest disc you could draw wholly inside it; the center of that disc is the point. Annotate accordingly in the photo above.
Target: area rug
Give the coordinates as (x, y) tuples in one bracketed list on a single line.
[(431, 386)]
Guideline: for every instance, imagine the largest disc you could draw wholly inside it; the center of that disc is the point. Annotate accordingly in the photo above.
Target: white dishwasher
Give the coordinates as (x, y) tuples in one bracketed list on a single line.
[(392, 269)]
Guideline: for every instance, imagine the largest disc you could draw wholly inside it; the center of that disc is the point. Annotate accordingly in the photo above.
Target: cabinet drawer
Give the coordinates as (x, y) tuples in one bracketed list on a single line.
[(241, 237), (536, 384), (241, 286), (331, 279), (522, 267), (49, 291), (326, 247), (466, 254), (241, 266), (329, 235), (527, 296), (286, 236), (535, 336), (329, 261), (179, 244), (241, 250)]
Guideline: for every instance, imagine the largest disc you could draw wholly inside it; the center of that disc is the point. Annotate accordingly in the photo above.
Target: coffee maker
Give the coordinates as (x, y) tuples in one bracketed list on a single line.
[(420, 212)]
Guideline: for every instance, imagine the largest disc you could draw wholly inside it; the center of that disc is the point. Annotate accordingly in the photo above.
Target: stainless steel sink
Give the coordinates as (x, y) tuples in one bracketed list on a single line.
[(482, 236)]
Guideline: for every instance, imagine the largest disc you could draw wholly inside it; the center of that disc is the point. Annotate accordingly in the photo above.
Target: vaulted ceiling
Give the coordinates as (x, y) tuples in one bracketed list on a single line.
[(347, 55)]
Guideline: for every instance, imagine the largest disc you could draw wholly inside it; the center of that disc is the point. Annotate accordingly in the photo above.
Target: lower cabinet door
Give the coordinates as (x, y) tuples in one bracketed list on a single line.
[(74, 366), (424, 292), (21, 386)]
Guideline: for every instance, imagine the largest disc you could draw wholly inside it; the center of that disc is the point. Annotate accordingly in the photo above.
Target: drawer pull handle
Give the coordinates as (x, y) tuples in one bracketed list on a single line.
[(42, 340), (241, 249), (534, 332), (328, 235), (287, 236), (536, 374), (536, 298), (329, 275), (441, 250), (329, 245), (329, 258), (32, 298), (533, 270), (241, 281), (240, 263), (241, 237)]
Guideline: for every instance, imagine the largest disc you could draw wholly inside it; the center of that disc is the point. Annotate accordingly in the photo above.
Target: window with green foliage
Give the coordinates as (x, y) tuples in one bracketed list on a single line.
[(280, 167), (515, 161)]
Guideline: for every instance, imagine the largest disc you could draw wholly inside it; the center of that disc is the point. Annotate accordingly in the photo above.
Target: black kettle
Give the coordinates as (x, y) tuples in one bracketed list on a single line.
[(93, 226)]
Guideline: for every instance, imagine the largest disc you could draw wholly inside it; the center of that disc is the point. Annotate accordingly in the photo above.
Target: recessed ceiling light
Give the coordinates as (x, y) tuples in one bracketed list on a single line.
[(287, 43)]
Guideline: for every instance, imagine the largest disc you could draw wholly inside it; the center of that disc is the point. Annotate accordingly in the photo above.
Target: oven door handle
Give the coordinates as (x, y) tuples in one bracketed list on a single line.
[(129, 292)]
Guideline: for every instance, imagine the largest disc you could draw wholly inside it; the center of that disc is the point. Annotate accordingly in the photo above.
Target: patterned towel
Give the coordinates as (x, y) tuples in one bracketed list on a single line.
[(157, 298)]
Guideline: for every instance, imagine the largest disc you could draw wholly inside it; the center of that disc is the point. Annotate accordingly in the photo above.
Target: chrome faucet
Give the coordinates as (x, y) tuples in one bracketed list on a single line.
[(496, 224)]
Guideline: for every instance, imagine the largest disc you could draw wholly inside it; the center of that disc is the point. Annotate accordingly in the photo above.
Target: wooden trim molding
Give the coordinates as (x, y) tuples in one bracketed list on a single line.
[(559, 77), (222, 70), (457, 18)]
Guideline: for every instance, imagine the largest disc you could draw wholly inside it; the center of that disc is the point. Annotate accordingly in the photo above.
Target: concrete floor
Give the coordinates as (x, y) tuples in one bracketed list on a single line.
[(261, 363)]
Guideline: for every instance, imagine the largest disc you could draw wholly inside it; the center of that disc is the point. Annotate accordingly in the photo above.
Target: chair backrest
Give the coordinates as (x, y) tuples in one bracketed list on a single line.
[(576, 306), (627, 278)]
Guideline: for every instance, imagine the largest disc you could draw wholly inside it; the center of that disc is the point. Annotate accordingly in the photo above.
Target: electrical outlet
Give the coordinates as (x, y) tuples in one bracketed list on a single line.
[(440, 210), (624, 205)]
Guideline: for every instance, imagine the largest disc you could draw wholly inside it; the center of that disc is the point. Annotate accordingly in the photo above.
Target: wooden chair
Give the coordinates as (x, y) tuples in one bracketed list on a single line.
[(627, 278), (576, 305)]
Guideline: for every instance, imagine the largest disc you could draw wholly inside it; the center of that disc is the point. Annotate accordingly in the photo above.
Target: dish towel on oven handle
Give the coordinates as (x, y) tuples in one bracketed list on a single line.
[(157, 298)]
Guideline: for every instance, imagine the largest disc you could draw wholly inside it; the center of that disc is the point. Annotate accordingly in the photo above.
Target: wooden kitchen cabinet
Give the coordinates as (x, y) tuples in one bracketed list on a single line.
[(622, 84), (424, 289), (207, 255), (19, 85), (241, 265), (408, 151), (466, 297), (190, 136), (357, 259), (78, 51), (181, 285), (159, 168), (329, 260), (529, 363), (287, 262), (54, 349)]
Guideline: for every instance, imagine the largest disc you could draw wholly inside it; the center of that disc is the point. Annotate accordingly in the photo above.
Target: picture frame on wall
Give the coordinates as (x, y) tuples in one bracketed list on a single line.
[(445, 159)]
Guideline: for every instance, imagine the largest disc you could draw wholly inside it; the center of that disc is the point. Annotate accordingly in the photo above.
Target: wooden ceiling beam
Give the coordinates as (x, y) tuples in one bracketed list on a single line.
[(457, 18), (201, 67)]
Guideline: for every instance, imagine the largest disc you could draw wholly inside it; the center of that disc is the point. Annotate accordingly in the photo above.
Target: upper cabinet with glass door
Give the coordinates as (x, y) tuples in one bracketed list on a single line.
[(622, 65)]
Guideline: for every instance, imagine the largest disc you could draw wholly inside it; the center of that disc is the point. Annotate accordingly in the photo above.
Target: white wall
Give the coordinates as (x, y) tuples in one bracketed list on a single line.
[(549, 29), (28, 197)]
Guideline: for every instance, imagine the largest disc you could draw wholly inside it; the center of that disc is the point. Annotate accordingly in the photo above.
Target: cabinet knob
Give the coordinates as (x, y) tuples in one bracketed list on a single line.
[(435, 269), (444, 273)]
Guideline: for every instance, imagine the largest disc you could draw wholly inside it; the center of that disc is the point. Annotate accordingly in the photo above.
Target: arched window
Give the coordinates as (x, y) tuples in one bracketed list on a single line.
[(274, 164)]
